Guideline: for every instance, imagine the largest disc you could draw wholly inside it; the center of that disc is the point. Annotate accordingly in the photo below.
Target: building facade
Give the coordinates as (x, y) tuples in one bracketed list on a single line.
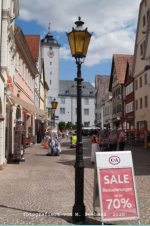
[(99, 98), (142, 77), (107, 107), (9, 10), (67, 102), (117, 78), (50, 55), (129, 86)]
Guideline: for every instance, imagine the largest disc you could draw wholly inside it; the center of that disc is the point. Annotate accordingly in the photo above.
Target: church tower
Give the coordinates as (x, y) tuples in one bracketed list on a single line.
[(50, 55)]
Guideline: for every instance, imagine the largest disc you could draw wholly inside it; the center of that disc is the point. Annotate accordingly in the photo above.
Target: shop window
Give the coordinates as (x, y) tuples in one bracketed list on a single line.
[(145, 101)]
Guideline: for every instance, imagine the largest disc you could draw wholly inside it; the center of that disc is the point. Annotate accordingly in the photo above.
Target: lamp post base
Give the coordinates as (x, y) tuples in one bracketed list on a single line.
[(78, 213)]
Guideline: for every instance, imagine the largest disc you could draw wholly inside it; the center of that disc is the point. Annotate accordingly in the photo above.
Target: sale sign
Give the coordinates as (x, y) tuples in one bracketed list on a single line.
[(115, 186), (117, 193)]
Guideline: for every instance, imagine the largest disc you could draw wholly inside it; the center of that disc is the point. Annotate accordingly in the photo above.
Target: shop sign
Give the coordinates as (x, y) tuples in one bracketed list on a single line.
[(116, 186), (130, 116)]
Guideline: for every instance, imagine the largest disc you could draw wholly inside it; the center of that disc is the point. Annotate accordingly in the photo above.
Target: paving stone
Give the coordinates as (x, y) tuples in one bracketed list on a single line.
[(41, 189)]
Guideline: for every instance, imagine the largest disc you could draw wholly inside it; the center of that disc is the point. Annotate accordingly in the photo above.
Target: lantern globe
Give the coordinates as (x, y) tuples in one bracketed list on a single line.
[(54, 104), (79, 39)]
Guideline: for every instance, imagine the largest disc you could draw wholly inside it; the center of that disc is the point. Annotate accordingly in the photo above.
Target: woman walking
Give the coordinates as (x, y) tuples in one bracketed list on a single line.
[(121, 139), (112, 141), (94, 147)]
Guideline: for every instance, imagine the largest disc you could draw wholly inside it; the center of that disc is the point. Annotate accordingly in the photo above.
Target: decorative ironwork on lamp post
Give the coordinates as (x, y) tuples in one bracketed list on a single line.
[(79, 39), (54, 104)]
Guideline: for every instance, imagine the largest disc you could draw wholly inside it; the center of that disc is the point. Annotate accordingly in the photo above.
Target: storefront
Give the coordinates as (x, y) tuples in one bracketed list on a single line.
[(130, 121)]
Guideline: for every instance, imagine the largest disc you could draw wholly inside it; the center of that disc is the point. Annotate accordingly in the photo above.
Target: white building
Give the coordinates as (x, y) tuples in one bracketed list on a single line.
[(107, 107), (9, 10), (50, 54), (64, 91), (99, 98), (67, 102)]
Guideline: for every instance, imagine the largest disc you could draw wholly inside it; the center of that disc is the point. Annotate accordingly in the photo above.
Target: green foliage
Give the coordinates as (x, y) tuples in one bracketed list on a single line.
[(68, 125), (61, 125)]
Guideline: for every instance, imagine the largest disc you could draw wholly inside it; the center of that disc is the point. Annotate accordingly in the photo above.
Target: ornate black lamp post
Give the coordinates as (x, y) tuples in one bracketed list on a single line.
[(54, 104), (79, 39)]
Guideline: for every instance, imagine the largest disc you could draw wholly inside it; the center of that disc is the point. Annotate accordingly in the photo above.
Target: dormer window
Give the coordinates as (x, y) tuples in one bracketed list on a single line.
[(67, 91), (91, 92), (84, 86), (72, 86)]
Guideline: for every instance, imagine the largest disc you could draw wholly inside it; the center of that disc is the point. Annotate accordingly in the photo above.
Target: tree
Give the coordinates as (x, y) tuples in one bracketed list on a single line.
[(61, 125), (69, 125)]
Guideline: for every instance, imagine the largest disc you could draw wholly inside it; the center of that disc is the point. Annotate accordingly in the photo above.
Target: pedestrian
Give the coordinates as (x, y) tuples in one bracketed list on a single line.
[(121, 139), (59, 141), (56, 147), (49, 144), (52, 144), (112, 140), (94, 147), (101, 135), (67, 134)]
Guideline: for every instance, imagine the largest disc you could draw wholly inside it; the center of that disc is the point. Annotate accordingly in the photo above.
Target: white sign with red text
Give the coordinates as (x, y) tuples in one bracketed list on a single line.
[(116, 185)]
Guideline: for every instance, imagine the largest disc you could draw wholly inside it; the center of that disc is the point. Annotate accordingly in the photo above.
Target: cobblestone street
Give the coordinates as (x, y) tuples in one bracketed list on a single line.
[(45, 185)]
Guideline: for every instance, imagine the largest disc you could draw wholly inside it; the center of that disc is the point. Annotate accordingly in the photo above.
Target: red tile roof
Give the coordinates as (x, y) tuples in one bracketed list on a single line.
[(108, 81), (131, 62), (101, 90), (121, 63), (34, 45)]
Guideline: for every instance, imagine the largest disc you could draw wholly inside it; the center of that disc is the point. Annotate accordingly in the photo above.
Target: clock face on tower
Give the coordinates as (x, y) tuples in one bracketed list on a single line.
[(50, 53)]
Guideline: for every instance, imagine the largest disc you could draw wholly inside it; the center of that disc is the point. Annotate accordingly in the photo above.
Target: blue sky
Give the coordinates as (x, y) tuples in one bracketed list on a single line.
[(110, 34)]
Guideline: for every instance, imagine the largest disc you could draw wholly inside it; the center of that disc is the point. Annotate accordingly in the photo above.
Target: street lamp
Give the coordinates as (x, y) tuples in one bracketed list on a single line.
[(54, 104), (79, 39)]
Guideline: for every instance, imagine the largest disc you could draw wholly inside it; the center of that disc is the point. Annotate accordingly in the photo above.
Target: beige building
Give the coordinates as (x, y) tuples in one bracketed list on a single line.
[(142, 77)]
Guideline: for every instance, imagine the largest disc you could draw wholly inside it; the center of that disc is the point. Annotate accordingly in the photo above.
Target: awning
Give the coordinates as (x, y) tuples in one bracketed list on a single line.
[(27, 105)]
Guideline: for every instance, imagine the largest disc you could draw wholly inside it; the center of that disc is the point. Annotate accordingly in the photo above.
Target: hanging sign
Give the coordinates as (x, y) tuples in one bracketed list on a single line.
[(115, 186)]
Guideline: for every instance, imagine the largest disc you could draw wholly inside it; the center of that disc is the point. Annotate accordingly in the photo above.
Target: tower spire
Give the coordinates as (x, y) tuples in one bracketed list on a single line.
[(49, 28)]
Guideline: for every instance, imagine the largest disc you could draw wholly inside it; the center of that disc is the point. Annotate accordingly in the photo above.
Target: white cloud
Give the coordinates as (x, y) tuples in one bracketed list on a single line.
[(112, 21)]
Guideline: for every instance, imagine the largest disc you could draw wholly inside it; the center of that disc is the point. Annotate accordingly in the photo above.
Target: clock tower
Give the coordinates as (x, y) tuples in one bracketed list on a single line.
[(50, 55)]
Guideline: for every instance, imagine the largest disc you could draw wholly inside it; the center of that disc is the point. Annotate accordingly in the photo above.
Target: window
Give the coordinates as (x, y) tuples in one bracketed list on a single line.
[(50, 111), (49, 100), (50, 63), (19, 65), (86, 101), (28, 78), (62, 100), (140, 103), (147, 15), (23, 69), (145, 78), (136, 105), (136, 84), (145, 3), (140, 81), (141, 49), (30, 81), (86, 124), (50, 82), (143, 20), (145, 101), (86, 111), (26, 74), (62, 111), (50, 73)]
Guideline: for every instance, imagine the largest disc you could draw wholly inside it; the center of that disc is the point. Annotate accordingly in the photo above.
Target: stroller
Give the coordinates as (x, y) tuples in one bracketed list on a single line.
[(73, 141), (104, 146)]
